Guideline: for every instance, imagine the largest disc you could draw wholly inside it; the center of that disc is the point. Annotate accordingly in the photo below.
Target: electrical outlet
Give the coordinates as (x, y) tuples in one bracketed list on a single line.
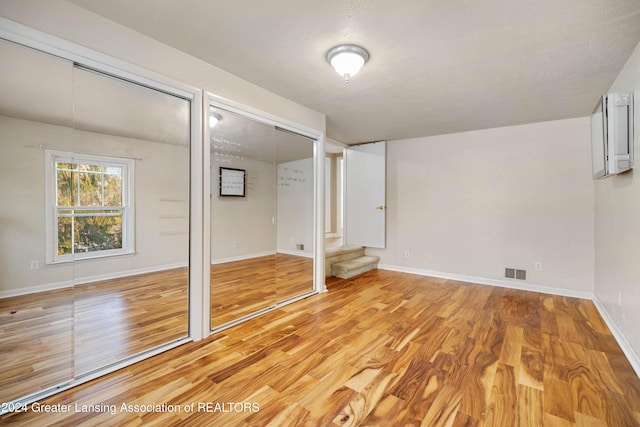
[(235, 244), (538, 266), (35, 265), (407, 254)]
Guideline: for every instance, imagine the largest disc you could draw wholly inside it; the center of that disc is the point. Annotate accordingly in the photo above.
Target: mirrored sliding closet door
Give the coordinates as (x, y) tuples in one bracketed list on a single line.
[(124, 219), (262, 222), (94, 220)]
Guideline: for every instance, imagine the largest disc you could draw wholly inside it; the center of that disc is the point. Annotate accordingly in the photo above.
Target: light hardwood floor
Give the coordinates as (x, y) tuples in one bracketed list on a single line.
[(241, 288), (49, 337), (384, 349)]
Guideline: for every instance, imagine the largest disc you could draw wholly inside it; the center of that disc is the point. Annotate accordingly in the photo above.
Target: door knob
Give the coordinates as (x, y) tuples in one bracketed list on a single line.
[(380, 208)]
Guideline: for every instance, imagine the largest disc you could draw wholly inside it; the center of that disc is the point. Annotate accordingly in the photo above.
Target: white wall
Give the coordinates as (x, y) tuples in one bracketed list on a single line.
[(242, 226), (474, 203), (295, 206), (617, 228), (161, 201)]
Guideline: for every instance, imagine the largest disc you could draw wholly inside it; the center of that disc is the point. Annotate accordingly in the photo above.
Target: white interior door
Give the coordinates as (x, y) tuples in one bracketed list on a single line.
[(365, 195)]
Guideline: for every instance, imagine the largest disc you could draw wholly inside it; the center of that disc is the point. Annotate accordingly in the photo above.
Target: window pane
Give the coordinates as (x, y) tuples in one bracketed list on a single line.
[(98, 188), (67, 184), (90, 188), (98, 233), (91, 168), (68, 166), (113, 188), (64, 235)]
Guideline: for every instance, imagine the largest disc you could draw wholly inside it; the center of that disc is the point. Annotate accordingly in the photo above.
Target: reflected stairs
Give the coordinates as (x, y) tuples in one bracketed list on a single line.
[(348, 261)]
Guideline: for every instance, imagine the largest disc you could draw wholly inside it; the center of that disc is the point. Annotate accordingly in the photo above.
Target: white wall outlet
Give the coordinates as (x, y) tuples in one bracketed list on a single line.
[(235, 244), (538, 266), (35, 265), (407, 254)]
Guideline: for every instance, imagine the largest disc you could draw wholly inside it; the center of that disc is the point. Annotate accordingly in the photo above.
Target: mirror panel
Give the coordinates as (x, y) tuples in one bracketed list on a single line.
[(295, 207), (94, 224), (262, 239), (36, 302), (243, 231), (131, 152)]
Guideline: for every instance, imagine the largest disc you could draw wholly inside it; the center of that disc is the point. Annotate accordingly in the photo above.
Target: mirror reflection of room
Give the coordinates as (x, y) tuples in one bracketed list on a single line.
[(94, 220), (262, 239)]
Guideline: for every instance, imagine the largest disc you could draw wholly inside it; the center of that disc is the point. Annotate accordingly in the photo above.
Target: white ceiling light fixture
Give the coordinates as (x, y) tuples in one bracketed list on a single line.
[(347, 59), (214, 119)]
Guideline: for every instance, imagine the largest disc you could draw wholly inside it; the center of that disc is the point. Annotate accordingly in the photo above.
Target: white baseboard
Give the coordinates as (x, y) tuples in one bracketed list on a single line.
[(87, 279), (493, 282), (250, 256), (126, 273), (241, 257), (627, 349), (36, 289), (296, 253)]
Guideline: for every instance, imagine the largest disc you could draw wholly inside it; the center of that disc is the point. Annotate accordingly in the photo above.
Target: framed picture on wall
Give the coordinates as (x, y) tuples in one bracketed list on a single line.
[(232, 182)]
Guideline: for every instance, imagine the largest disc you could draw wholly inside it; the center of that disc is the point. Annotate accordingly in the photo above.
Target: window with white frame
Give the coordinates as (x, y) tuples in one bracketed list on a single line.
[(90, 207)]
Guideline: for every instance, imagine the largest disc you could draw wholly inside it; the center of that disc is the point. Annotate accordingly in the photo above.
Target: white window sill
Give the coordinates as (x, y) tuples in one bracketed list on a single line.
[(92, 257)]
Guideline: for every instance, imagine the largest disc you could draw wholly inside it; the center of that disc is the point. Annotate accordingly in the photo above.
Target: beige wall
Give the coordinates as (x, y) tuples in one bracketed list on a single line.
[(474, 203), (617, 228)]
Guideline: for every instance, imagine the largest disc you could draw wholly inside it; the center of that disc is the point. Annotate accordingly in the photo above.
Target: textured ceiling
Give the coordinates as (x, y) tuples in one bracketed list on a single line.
[(436, 66)]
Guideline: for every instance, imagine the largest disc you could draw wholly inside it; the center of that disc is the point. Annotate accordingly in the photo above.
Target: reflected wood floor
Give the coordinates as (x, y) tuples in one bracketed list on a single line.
[(385, 349), (48, 337), (240, 288)]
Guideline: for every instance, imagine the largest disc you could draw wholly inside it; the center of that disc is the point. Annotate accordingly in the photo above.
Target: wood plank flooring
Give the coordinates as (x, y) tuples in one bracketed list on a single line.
[(244, 287), (49, 337), (383, 349)]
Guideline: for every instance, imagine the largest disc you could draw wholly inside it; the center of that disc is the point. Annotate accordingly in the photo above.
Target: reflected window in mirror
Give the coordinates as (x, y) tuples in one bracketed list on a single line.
[(90, 197)]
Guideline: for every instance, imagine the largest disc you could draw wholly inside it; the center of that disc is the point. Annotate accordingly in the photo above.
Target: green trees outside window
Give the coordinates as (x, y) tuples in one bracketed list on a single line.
[(89, 207)]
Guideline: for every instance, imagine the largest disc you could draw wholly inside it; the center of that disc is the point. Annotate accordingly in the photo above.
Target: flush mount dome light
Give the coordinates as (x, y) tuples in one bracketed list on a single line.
[(347, 59), (214, 119)]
